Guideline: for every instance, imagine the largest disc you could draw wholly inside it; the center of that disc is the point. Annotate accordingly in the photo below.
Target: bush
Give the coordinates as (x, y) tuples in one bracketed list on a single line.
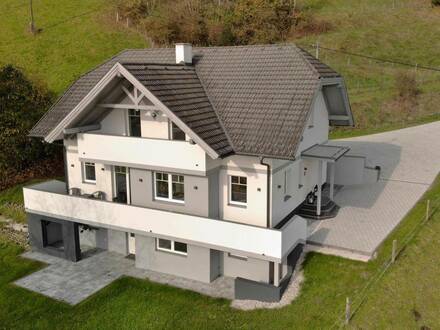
[(22, 103), (435, 3), (407, 90), (213, 22)]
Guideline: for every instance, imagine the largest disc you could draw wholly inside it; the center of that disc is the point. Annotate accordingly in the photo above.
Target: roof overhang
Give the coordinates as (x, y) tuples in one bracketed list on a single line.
[(325, 152), (118, 71)]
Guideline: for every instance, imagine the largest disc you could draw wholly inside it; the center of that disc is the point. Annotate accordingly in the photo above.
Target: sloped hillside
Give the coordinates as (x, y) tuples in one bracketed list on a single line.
[(76, 36)]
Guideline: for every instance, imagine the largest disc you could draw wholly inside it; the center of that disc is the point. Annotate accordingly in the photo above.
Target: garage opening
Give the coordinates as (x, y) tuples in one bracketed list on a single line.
[(52, 235)]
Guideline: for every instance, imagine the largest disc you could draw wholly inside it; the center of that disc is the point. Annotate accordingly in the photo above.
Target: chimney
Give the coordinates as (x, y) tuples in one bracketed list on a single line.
[(183, 53)]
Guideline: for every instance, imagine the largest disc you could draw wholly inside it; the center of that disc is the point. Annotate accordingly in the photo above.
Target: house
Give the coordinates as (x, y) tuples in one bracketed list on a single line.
[(197, 162)]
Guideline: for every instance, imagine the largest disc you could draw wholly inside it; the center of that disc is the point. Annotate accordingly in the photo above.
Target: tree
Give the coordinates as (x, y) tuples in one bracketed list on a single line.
[(22, 103)]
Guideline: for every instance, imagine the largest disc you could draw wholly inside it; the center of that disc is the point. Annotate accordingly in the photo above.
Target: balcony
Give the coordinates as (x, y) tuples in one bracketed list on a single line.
[(50, 199), (142, 153)]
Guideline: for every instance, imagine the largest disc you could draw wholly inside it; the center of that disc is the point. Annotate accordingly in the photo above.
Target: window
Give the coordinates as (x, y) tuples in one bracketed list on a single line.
[(177, 133), (134, 122), (171, 246), (89, 172), (238, 190), (170, 187), (121, 184)]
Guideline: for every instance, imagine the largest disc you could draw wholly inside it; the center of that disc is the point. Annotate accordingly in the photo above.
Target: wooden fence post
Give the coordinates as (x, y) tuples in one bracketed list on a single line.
[(347, 310), (394, 251), (427, 209)]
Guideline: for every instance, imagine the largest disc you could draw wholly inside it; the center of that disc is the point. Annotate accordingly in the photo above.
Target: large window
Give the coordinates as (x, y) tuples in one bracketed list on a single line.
[(171, 246), (89, 172), (177, 133), (238, 190), (169, 187), (134, 122)]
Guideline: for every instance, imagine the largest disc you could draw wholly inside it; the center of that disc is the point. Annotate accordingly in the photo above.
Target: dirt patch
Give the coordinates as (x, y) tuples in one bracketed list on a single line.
[(14, 232)]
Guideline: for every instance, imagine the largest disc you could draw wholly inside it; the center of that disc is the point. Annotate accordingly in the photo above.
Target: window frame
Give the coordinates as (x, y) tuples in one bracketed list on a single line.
[(170, 188), (231, 202), (172, 249), (127, 178), (85, 179), (129, 116), (172, 131)]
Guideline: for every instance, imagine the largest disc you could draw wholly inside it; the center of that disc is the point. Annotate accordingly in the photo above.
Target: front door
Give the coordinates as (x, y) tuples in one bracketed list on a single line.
[(121, 185)]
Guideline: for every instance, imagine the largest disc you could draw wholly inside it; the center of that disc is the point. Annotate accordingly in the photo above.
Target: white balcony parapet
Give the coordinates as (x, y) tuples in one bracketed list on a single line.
[(139, 152), (50, 199)]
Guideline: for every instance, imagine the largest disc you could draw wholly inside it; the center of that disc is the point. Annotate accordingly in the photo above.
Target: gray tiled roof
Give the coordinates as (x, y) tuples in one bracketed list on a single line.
[(260, 94), (179, 88)]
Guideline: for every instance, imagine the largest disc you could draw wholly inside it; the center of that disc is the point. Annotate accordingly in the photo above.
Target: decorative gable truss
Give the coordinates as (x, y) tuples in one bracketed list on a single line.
[(137, 96)]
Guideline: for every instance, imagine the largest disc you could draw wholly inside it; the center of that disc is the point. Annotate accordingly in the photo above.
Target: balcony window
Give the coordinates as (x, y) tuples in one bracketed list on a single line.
[(238, 190), (134, 122), (170, 187), (177, 133), (89, 172), (171, 246)]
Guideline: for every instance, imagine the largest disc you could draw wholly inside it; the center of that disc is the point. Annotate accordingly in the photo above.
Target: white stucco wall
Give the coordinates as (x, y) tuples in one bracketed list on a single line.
[(301, 171), (114, 123), (254, 213), (157, 128), (317, 128), (75, 173)]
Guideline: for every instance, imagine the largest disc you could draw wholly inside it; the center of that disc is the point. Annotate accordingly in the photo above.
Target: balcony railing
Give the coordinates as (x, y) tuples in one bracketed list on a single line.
[(50, 199), (142, 152)]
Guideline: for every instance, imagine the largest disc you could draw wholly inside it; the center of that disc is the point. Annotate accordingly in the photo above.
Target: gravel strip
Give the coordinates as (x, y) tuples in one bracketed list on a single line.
[(292, 291)]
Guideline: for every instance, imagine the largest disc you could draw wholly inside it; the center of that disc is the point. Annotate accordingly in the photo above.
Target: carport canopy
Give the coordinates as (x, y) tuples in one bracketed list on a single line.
[(325, 152)]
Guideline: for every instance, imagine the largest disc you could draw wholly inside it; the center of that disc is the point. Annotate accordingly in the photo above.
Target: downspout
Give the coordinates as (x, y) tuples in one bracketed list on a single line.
[(66, 174), (268, 191), (271, 264)]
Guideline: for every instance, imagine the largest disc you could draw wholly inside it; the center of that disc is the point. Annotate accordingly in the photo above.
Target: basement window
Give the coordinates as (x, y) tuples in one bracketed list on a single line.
[(171, 246)]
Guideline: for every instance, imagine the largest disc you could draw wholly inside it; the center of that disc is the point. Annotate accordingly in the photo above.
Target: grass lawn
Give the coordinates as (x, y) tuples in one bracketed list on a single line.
[(410, 285), (11, 202), (75, 37), (399, 30)]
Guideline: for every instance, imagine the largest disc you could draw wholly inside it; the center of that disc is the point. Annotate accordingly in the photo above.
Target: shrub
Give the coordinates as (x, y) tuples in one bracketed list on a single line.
[(435, 3), (22, 103), (213, 22), (407, 90)]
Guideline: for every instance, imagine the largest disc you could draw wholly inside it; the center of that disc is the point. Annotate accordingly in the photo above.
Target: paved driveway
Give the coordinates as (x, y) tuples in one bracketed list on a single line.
[(410, 161), (72, 282)]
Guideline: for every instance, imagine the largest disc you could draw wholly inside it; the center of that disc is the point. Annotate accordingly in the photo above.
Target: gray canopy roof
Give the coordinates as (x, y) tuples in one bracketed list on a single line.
[(251, 100)]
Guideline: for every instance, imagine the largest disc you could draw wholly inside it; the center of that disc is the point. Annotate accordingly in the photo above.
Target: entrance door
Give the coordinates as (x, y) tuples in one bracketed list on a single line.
[(132, 243), (121, 185)]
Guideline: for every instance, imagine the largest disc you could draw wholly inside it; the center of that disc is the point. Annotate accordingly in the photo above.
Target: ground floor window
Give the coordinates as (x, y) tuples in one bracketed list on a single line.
[(171, 246)]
